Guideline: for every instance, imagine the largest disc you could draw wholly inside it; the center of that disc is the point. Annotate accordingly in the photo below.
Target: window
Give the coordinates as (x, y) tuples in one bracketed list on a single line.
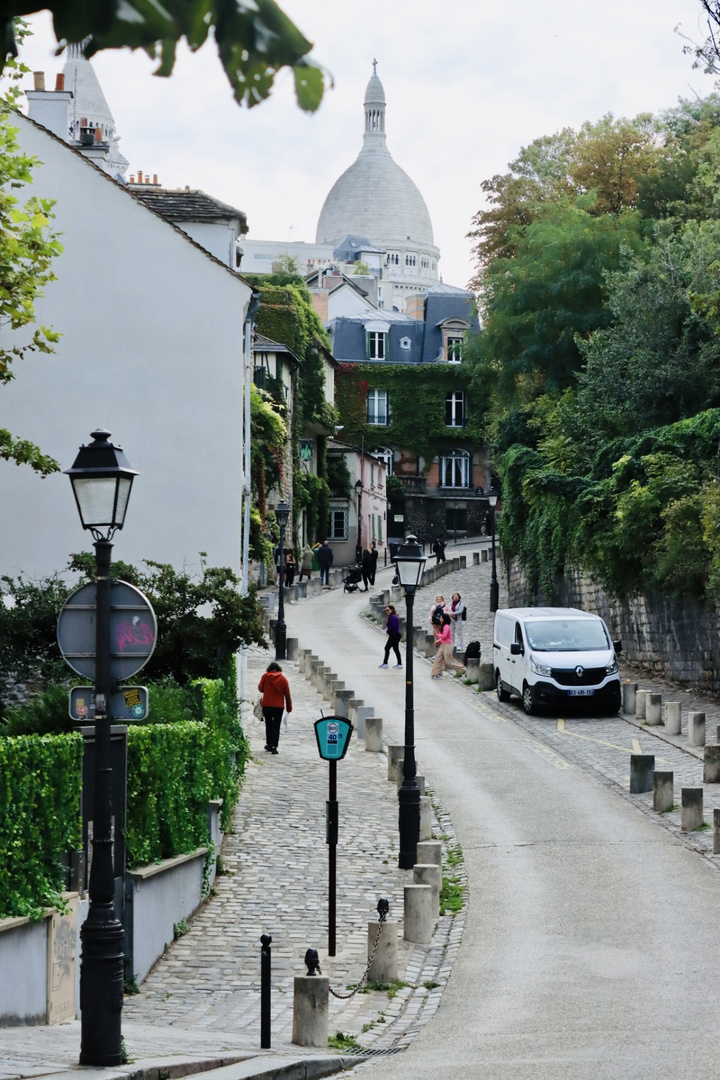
[(455, 469), (376, 345), (385, 455), (454, 350), (455, 519), (377, 407), (455, 409), (409, 260), (337, 529)]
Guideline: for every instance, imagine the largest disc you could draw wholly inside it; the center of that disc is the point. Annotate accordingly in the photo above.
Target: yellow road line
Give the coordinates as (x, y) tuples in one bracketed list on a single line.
[(635, 749)]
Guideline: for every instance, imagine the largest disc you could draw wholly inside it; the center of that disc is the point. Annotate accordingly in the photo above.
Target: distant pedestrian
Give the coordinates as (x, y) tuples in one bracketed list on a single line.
[(392, 629), (458, 614), (325, 560), (290, 568), (275, 691), (373, 561), (437, 611), (439, 549), (306, 564), (366, 567), (444, 655)]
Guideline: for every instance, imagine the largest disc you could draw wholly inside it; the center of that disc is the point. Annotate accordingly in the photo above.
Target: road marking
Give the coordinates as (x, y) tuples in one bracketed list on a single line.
[(635, 749), (636, 746)]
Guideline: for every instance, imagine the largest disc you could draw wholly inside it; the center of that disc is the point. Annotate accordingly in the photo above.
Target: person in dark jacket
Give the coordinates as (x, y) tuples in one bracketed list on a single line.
[(366, 567), (373, 561), (392, 629), (325, 561), (275, 691), (439, 549)]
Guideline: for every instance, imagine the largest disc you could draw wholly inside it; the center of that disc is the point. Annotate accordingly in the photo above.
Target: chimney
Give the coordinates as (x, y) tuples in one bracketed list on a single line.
[(50, 108), (98, 135), (59, 82), (39, 80), (155, 182), (140, 177)]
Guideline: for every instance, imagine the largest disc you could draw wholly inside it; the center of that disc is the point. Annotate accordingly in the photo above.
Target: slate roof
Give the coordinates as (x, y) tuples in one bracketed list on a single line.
[(187, 205), (350, 247)]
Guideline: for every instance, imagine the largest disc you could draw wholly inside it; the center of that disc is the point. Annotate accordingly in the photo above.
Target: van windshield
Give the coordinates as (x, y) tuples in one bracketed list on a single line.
[(566, 635)]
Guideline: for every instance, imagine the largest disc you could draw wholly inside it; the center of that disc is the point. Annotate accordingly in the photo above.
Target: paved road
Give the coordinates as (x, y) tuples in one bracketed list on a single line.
[(591, 931)]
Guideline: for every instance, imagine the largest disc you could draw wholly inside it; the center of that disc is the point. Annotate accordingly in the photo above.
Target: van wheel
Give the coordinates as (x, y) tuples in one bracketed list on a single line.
[(528, 700), (502, 694)]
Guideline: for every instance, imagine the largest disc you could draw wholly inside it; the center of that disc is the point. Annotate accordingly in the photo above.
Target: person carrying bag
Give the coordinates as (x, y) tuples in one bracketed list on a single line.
[(275, 691)]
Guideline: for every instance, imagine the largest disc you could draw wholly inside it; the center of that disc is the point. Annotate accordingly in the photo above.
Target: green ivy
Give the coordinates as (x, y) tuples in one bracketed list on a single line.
[(40, 787)]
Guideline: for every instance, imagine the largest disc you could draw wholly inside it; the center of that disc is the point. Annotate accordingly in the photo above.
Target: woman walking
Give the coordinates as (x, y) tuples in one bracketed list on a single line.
[(444, 656), (275, 691), (457, 614), (392, 629)]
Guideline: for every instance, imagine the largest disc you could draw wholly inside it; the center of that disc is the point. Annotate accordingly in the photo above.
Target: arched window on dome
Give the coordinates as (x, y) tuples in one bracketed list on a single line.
[(455, 469)]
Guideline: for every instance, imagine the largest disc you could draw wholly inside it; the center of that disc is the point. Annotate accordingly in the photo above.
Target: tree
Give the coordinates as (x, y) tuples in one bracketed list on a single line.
[(27, 248), (254, 39)]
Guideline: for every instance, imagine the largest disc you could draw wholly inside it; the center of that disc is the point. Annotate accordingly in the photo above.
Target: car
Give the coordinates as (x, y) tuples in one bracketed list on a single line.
[(555, 657)]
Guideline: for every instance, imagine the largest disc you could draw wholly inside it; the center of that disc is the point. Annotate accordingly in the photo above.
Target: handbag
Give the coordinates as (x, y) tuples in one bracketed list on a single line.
[(257, 710)]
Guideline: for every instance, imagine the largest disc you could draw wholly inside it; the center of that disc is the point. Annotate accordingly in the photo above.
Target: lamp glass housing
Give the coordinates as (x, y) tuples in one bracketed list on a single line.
[(282, 513), (358, 486), (410, 563), (102, 500), (492, 497)]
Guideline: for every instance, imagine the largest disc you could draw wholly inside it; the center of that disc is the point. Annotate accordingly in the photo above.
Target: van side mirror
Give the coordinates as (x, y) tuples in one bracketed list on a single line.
[(617, 646), (515, 648)]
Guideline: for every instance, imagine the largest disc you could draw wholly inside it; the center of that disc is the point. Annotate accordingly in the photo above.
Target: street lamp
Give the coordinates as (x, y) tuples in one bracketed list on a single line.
[(409, 563), (101, 479), (282, 513), (494, 587), (358, 545)]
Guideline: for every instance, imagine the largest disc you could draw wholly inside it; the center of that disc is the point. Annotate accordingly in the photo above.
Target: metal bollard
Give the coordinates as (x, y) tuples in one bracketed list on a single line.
[(265, 942)]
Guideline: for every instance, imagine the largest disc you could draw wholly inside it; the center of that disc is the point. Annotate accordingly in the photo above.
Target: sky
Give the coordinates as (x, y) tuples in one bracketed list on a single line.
[(467, 84)]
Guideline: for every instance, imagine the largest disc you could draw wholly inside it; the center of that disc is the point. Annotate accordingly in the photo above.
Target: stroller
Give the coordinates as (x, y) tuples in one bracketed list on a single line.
[(351, 583)]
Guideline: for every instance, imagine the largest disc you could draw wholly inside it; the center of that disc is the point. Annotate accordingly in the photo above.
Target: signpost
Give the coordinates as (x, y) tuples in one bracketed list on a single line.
[(133, 630), (127, 703), (333, 738)]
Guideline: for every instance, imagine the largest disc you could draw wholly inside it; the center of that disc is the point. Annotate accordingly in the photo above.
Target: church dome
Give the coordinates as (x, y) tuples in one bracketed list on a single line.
[(374, 197)]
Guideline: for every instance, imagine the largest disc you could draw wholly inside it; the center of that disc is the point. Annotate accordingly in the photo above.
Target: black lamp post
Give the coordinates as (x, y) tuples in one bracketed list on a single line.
[(282, 513), (358, 545), (102, 478), (409, 563), (494, 587)]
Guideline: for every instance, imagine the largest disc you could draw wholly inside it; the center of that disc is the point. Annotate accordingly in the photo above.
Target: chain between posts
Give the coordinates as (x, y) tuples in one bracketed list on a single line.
[(382, 908)]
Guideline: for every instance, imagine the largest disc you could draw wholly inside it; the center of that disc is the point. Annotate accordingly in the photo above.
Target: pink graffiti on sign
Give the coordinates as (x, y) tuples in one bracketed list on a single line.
[(133, 633)]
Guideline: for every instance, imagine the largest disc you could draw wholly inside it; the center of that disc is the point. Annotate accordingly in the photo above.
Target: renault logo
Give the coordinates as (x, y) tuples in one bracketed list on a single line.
[(579, 671)]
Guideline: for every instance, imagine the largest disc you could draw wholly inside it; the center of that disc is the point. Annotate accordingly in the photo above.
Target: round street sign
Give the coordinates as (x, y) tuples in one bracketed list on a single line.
[(133, 630)]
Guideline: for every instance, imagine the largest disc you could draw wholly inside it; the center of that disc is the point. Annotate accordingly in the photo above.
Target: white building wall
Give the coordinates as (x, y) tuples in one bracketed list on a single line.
[(219, 238), (151, 350)]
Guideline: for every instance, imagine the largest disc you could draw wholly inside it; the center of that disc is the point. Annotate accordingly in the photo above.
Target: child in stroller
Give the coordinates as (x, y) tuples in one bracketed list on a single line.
[(351, 583)]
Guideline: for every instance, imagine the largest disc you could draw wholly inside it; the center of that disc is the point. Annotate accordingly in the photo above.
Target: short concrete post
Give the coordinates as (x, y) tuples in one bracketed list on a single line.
[(629, 689), (429, 645), (310, 1010), (476, 558), (653, 709), (486, 677), (642, 768), (692, 809), (696, 728), (395, 754), (342, 700), (430, 851), (425, 817), (362, 712), (374, 734), (418, 921), (303, 659), (716, 831), (483, 555), (419, 778), (384, 965), (291, 648), (673, 717), (711, 765), (472, 666), (302, 590), (272, 624), (640, 696), (663, 794), (429, 874)]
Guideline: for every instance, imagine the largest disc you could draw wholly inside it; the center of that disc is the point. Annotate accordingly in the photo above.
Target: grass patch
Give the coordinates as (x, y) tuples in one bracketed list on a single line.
[(454, 856), (340, 1041), (451, 896), (431, 984)]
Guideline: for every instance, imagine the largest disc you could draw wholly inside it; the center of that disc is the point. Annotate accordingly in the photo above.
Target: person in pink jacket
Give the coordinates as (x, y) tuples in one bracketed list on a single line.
[(444, 655)]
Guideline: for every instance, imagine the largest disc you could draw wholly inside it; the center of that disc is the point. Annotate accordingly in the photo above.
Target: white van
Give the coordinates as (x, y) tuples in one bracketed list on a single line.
[(555, 656)]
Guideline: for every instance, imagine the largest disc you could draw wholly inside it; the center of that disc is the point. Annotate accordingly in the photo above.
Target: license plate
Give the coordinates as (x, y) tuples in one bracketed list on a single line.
[(581, 693)]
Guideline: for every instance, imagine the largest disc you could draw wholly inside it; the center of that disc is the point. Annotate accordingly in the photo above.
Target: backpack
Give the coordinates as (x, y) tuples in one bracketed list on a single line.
[(437, 615), (463, 617), (473, 650)]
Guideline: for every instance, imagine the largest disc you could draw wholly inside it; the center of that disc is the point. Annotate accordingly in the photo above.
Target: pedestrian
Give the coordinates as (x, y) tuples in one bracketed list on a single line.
[(366, 568), (290, 567), (444, 655), (325, 561), (392, 629), (437, 611), (275, 691), (373, 561), (458, 614), (439, 549), (306, 564)]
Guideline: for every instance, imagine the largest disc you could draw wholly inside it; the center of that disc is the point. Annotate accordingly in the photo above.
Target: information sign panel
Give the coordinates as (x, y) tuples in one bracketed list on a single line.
[(127, 703), (333, 737)]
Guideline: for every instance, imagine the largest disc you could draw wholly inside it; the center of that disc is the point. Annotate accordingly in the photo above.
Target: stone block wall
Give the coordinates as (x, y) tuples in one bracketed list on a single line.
[(677, 639)]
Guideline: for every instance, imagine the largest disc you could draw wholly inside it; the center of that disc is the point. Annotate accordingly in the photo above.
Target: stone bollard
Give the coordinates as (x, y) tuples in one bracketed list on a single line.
[(342, 699), (696, 728), (430, 851), (292, 594), (429, 874), (472, 666), (483, 555), (425, 818), (673, 717), (429, 645), (663, 794), (486, 677), (395, 754), (310, 1010), (418, 917), (374, 734), (629, 689), (711, 765), (384, 966), (301, 590), (716, 831), (476, 558), (463, 562), (362, 712), (315, 665), (303, 660), (640, 696), (692, 809), (291, 648), (642, 768), (653, 709)]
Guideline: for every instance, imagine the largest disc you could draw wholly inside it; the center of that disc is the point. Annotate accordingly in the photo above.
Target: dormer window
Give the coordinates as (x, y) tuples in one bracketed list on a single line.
[(454, 350), (377, 339)]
